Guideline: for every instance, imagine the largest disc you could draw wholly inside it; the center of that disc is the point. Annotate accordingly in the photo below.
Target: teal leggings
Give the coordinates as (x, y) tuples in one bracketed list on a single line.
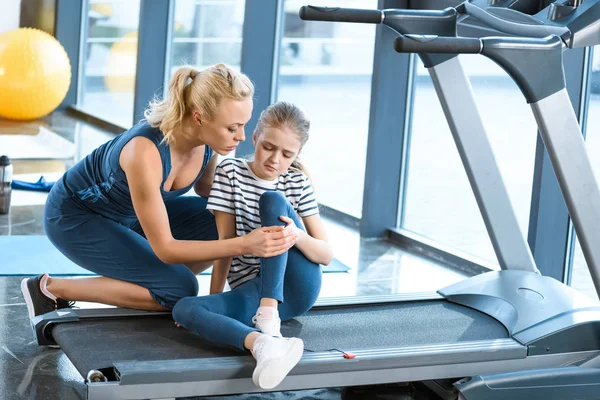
[(116, 251)]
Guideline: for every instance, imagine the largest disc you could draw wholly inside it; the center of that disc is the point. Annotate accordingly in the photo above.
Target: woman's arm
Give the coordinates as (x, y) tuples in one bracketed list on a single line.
[(203, 185), (226, 228), (313, 243), (142, 165)]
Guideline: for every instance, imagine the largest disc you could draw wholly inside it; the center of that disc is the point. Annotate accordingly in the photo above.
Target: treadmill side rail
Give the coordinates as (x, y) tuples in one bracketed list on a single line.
[(529, 305), (578, 330), (161, 385), (42, 324), (548, 384), (173, 371)]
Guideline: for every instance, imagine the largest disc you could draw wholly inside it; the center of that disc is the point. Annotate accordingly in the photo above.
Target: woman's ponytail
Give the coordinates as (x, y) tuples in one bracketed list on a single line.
[(190, 89)]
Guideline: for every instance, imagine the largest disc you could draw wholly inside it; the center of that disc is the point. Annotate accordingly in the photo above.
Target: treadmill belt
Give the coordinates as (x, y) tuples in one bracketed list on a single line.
[(95, 344)]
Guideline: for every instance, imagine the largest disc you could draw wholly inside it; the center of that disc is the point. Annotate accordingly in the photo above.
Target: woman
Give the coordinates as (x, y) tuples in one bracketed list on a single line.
[(120, 212)]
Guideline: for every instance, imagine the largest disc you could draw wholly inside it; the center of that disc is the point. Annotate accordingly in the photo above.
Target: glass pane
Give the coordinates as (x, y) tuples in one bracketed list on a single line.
[(581, 278), (207, 32), (108, 77), (439, 202), (326, 68)]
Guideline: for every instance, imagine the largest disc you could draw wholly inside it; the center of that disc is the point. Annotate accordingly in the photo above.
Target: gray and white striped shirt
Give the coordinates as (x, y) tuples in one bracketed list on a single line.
[(236, 190)]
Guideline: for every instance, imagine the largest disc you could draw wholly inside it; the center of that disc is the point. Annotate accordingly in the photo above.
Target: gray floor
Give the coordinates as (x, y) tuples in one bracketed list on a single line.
[(28, 371)]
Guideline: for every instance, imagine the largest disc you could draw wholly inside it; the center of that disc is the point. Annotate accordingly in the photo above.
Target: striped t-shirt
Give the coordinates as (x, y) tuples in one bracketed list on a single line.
[(236, 190)]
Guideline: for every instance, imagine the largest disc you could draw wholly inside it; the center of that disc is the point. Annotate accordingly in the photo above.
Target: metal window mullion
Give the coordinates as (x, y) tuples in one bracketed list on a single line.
[(549, 224), (390, 84), (154, 42), (260, 58), (71, 30), (582, 116)]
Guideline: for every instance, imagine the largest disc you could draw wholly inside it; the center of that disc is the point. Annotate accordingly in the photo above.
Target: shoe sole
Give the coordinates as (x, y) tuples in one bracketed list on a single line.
[(275, 371), (30, 309), (27, 297)]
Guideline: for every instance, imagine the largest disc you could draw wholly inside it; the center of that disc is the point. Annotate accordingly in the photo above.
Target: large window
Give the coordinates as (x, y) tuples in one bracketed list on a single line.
[(206, 32), (326, 69), (581, 278), (439, 202), (110, 57)]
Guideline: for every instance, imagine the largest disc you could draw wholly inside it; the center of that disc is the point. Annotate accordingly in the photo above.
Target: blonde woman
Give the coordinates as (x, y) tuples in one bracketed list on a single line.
[(120, 212)]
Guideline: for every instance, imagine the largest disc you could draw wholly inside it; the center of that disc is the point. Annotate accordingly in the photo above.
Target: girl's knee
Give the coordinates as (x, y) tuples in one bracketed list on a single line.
[(182, 309), (270, 198), (301, 302), (272, 205)]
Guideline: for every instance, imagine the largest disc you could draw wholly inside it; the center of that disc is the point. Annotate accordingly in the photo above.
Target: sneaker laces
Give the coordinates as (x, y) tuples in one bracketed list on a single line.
[(272, 320), (62, 303), (257, 349), (270, 326)]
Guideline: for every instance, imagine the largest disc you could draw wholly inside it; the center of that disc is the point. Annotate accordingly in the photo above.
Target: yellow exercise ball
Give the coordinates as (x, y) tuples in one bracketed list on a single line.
[(35, 74)]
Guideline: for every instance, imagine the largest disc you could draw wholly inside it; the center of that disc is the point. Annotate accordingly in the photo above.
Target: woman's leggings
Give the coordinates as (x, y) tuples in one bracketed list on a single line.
[(110, 249), (290, 278)]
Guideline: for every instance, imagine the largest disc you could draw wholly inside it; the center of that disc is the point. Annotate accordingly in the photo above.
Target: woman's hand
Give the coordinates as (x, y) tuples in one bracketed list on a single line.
[(269, 241)]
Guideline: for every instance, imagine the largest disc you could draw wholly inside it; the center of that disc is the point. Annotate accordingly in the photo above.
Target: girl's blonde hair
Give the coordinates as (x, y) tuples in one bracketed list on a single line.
[(284, 114), (190, 89)]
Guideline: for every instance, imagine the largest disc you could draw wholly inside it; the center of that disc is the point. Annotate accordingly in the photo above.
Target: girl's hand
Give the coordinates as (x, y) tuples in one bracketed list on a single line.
[(269, 241), (291, 225)]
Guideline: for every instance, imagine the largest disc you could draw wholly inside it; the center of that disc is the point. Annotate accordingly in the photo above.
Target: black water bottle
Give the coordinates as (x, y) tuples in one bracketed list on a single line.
[(6, 172)]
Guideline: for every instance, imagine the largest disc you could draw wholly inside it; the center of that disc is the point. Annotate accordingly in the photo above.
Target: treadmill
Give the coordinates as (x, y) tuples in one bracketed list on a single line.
[(510, 332)]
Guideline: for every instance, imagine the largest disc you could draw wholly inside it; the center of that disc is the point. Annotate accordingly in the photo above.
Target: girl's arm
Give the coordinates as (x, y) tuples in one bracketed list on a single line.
[(313, 243), (141, 162), (226, 228)]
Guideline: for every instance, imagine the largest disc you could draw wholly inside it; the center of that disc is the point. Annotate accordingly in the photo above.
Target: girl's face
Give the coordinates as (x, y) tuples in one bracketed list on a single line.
[(275, 150), (226, 130)]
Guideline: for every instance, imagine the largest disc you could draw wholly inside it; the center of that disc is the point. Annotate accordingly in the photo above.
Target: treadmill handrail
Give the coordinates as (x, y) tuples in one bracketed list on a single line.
[(340, 14), (512, 27)]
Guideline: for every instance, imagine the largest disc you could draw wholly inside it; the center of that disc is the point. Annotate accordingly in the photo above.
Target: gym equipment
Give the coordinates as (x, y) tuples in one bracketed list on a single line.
[(35, 74), (512, 321)]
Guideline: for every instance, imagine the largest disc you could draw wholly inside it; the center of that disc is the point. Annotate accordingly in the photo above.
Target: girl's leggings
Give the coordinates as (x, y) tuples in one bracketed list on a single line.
[(290, 278)]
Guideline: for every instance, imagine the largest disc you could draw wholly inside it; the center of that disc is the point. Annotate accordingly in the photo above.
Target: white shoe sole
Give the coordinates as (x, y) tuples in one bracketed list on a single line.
[(272, 372), (27, 297)]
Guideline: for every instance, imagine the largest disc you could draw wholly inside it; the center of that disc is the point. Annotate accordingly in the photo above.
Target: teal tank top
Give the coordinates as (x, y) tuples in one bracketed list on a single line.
[(98, 184)]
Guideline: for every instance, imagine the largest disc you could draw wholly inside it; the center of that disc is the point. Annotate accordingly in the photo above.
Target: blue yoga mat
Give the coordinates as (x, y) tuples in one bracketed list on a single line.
[(34, 255)]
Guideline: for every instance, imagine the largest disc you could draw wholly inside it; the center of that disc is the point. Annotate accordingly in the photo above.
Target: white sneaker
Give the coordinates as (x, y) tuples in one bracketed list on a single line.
[(275, 358), (269, 326)]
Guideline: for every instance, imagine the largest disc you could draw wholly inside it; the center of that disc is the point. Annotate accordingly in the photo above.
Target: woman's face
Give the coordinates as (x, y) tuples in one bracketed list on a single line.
[(275, 150), (226, 130)]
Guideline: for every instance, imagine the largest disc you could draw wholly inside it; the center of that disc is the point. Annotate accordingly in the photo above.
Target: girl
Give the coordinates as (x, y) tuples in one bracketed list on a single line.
[(272, 189), (120, 211)]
